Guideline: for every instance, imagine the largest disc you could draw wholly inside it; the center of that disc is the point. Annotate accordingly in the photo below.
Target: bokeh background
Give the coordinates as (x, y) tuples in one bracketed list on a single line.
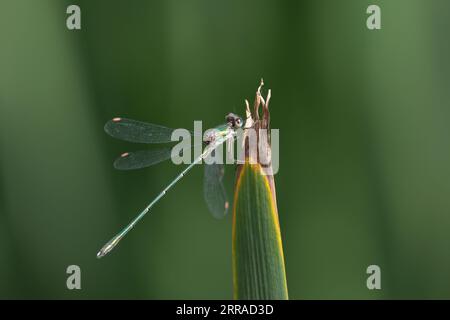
[(364, 128)]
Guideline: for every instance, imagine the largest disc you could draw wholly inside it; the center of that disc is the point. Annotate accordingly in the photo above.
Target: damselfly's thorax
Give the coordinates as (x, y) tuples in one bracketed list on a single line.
[(210, 136), (234, 122), (216, 134)]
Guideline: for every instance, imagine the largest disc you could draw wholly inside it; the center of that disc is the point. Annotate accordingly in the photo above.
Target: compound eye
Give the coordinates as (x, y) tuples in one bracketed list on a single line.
[(238, 121)]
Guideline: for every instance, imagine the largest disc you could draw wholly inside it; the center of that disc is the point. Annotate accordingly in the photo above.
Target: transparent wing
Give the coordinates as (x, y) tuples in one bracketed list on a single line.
[(214, 190), (137, 131), (141, 159)]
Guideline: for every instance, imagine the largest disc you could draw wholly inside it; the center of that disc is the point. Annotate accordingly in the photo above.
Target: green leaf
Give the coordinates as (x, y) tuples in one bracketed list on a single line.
[(258, 261)]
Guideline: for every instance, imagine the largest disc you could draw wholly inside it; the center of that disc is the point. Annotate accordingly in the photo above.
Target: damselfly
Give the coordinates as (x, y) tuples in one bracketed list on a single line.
[(141, 132)]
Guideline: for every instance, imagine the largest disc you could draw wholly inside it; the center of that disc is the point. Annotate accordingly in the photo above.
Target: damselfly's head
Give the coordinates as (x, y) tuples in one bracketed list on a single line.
[(234, 120)]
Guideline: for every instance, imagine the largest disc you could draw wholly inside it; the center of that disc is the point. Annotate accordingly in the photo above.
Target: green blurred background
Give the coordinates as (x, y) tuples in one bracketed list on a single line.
[(365, 152)]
